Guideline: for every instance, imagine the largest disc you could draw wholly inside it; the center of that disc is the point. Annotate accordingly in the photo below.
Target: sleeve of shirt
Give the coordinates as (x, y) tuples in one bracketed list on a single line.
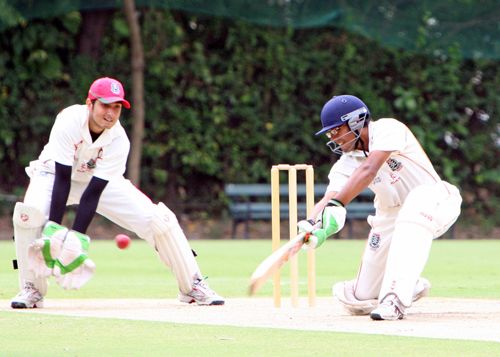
[(88, 204), (62, 147), (388, 135), (60, 192), (112, 160), (339, 173)]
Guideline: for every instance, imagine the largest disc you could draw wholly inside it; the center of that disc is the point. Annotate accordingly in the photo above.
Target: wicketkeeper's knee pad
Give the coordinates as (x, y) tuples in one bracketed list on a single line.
[(173, 248), (344, 292), (28, 223)]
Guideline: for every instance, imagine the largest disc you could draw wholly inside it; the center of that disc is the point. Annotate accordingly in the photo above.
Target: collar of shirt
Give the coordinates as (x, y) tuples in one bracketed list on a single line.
[(106, 136)]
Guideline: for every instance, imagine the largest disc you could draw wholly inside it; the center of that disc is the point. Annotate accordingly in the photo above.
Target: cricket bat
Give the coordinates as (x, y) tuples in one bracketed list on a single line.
[(274, 262)]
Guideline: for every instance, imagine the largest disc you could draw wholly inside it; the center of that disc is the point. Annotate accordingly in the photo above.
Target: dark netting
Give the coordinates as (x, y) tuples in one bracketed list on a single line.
[(427, 26)]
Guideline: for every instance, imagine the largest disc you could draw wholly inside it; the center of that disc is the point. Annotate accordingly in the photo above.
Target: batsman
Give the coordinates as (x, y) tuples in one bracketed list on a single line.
[(83, 164), (413, 206)]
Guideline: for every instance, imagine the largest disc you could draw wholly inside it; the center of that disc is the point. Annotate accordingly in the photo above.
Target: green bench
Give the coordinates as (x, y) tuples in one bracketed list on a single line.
[(252, 202)]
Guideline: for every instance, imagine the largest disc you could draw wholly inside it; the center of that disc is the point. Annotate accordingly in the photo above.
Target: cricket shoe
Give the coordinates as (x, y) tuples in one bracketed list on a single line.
[(201, 294), (422, 289), (389, 309), (28, 298)]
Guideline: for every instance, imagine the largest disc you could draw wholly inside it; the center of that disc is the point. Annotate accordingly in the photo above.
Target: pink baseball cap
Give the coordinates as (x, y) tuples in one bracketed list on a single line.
[(108, 90)]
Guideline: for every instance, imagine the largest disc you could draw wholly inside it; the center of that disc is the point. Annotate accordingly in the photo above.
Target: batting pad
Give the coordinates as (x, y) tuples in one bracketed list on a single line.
[(344, 292), (173, 248), (28, 224)]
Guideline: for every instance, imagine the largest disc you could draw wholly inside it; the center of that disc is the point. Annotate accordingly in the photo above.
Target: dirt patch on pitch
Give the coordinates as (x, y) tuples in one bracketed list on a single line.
[(470, 319)]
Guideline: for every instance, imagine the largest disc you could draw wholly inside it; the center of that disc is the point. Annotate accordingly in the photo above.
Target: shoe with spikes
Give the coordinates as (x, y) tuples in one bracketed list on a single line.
[(201, 294), (390, 308), (28, 298)]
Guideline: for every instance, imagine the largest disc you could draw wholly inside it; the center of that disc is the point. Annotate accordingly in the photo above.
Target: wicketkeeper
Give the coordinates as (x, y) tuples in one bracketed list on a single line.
[(83, 163), (413, 207)]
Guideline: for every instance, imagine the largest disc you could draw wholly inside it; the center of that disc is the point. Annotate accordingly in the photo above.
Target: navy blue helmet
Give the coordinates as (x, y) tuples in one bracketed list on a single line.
[(344, 109)]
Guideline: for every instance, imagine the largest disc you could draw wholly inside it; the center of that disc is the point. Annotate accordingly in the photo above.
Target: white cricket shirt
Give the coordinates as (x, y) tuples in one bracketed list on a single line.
[(70, 144), (407, 167)]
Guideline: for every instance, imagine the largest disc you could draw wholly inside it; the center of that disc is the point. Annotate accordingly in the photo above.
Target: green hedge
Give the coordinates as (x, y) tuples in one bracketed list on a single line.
[(225, 100)]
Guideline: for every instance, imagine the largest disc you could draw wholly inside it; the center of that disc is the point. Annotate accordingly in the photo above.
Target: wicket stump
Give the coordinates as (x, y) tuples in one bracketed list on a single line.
[(275, 225)]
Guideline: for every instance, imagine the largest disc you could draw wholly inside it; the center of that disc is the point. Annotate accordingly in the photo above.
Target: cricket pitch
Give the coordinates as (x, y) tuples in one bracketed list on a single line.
[(450, 318)]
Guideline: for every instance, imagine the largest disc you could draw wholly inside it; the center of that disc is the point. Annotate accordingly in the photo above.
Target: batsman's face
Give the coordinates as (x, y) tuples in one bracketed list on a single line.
[(103, 116), (343, 137)]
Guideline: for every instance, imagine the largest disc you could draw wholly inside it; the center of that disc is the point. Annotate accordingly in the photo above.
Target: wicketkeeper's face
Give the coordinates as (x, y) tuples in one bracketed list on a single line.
[(103, 116)]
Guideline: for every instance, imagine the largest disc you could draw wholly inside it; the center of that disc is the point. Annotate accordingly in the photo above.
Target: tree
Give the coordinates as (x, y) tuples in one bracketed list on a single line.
[(94, 23), (137, 64)]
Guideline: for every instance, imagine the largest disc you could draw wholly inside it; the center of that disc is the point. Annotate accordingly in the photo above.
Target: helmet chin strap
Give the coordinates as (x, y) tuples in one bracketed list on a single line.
[(357, 140), (360, 141)]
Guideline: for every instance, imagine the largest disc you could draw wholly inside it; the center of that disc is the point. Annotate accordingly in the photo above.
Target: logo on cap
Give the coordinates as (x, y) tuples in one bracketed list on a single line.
[(115, 88)]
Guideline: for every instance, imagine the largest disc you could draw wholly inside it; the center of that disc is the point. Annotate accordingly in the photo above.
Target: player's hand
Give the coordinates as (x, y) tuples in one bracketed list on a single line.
[(331, 222), (306, 226), (43, 252), (74, 268)]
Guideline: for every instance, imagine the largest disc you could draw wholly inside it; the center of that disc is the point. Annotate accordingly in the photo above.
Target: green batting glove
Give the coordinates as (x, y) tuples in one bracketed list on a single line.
[(333, 220)]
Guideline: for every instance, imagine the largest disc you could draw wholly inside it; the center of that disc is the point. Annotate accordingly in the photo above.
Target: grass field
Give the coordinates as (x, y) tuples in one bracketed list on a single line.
[(466, 269)]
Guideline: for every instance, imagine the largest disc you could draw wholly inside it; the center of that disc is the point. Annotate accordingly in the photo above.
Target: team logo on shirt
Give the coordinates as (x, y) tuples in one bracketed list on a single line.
[(374, 241), (90, 164), (394, 164)]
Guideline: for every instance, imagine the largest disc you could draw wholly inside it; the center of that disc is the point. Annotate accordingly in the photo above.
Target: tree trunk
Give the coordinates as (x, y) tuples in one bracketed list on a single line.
[(137, 63), (94, 23)]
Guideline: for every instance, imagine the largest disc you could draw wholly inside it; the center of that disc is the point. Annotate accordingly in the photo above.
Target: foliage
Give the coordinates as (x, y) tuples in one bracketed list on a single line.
[(225, 100), (473, 25)]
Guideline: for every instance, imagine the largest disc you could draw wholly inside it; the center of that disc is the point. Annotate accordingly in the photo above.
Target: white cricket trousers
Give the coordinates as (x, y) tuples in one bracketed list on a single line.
[(400, 239)]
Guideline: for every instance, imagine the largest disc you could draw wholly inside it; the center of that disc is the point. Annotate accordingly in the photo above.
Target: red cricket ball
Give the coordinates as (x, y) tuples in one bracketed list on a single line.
[(122, 241)]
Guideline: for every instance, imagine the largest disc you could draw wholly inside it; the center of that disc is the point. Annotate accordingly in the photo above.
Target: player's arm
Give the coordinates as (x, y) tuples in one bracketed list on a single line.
[(329, 214), (362, 176), (60, 192), (326, 219), (321, 204), (88, 204)]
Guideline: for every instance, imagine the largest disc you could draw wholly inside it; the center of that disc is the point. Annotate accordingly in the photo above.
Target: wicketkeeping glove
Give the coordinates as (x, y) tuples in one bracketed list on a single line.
[(43, 252), (331, 221), (73, 268)]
